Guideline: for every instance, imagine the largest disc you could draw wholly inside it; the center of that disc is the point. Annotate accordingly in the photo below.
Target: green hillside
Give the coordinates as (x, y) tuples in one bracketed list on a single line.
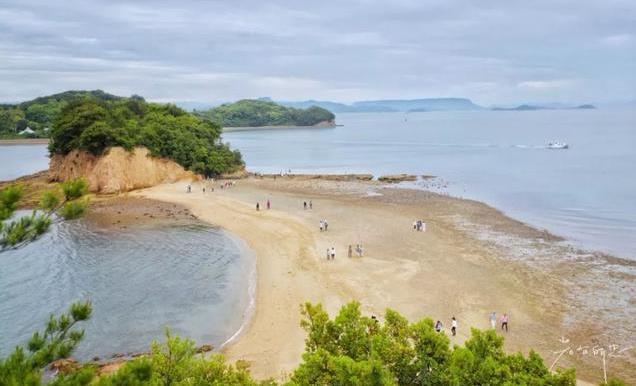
[(254, 113), (40, 113)]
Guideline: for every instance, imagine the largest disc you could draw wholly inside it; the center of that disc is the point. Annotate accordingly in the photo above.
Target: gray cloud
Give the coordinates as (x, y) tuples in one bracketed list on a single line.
[(493, 51)]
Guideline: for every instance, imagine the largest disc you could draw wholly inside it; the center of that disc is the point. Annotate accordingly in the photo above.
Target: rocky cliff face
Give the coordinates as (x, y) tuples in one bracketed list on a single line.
[(117, 170)]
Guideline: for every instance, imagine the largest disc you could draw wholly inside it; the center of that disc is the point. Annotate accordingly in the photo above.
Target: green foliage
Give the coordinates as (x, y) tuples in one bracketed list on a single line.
[(351, 349), (74, 189), (166, 130), (73, 210), (50, 201), (9, 198), (25, 229), (250, 112), (175, 362), (354, 349), (58, 340), (40, 113), (614, 382)]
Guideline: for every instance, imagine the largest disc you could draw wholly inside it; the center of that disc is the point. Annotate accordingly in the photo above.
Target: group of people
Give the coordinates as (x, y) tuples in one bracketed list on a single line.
[(311, 205), (503, 320), (208, 185), (331, 253), (268, 205), (419, 226), (227, 184), (324, 225), (358, 250), (439, 326)]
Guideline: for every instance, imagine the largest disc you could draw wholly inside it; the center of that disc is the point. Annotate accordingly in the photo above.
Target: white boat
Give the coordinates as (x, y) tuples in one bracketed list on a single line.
[(557, 145)]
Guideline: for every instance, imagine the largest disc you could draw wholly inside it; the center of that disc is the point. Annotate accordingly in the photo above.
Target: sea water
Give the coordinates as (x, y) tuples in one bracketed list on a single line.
[(141, 279), (20, 160), (586, 193)]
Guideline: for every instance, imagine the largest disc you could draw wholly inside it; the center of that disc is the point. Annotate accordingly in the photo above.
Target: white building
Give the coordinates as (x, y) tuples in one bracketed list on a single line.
[(26, 131)]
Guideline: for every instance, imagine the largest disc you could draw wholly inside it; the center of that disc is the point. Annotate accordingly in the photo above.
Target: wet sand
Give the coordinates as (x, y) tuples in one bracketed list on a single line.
[(471, 260)]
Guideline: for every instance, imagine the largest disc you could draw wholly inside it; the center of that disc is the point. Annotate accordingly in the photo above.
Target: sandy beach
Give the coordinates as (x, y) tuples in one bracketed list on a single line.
[(471, 260)]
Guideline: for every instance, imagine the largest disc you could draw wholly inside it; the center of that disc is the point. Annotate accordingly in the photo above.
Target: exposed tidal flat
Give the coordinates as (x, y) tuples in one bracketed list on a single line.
[(584, 194), (471, 260), (144, 265)]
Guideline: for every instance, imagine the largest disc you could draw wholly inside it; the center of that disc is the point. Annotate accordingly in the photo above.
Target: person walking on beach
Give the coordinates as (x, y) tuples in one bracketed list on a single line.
[(359, 250), (504, 322), (326, 225), (258, 206), (305, 205), (333, 253), (328, 254), (350, 251), (493, 320), (454, 326), (322, 224), (269, 205), (439, 326), (311, 205)]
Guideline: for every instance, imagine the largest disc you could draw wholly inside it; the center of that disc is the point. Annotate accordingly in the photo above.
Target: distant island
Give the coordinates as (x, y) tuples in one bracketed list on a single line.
[(529, 107), (391, 105), (260, 113)]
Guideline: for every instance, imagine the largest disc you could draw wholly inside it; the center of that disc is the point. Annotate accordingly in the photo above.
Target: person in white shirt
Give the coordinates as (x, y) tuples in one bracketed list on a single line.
[(454, 326)]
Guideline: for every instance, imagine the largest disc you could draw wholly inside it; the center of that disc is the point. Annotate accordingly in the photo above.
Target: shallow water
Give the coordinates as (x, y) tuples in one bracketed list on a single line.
[(585, 194), (141, 279)]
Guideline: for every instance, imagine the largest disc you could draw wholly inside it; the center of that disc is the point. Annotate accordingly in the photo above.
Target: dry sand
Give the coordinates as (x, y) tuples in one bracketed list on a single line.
[(471, 260)]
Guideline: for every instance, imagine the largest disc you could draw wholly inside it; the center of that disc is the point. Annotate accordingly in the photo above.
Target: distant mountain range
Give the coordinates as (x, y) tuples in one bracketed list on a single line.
[(404, 105), (532, 107), (389, 105)]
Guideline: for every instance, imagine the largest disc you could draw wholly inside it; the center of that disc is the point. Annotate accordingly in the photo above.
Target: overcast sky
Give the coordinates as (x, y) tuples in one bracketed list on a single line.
[(495, 52)]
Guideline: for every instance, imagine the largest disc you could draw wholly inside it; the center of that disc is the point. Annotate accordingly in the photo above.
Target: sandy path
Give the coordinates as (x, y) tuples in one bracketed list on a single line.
[(440, 273)]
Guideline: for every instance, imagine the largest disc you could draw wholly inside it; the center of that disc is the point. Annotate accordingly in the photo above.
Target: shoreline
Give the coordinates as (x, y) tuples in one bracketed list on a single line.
[(230, 129), (547, 283), (251, 291), (24, 141), (538, 298)]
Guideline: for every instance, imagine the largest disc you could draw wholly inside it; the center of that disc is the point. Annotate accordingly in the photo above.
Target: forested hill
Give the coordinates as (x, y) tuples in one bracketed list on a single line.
[(40, 113), (255, 113), (93, 126)]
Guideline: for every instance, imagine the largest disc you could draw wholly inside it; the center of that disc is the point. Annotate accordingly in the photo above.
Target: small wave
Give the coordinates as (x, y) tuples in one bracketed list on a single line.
[(251, 291)]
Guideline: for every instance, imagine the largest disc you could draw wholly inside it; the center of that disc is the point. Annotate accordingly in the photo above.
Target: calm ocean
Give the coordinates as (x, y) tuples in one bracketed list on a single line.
[(586, 193)]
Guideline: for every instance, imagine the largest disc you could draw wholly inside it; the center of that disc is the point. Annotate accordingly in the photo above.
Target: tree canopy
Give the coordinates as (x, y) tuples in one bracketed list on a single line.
[(254, 113), (166, 130), (350, 349), (40, 113)]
